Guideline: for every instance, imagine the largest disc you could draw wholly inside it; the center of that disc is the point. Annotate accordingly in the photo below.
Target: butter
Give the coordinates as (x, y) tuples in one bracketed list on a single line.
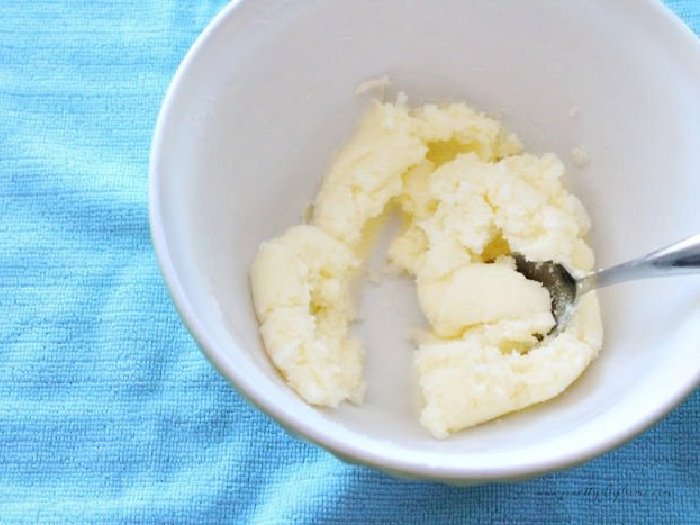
[(478, 294), (469, 198), (300, 284), (367, 173), (472, 380)]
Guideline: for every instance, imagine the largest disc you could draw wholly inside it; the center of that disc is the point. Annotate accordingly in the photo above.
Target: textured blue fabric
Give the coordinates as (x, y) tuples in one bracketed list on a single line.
[(108, 411)]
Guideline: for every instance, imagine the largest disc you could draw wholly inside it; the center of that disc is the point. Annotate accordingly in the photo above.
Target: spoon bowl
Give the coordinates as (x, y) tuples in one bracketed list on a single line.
[(561, 285), (566, 290)]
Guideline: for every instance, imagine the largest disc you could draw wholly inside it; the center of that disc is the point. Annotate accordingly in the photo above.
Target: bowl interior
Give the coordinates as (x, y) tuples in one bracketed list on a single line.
[(266, 98)]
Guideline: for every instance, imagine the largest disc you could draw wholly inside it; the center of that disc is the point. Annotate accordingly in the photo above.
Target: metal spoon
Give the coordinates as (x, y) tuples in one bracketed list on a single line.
[(566, 290)]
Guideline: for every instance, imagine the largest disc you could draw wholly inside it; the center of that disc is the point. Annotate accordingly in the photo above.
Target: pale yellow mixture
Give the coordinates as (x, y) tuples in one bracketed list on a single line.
[(469, 198)]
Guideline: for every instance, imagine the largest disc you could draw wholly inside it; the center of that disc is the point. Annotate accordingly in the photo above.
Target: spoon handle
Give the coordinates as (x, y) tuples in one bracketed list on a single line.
[(677, 259)]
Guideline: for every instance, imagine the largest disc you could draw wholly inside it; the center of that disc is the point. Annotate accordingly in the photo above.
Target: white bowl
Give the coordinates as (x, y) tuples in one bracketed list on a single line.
[(265, 97)]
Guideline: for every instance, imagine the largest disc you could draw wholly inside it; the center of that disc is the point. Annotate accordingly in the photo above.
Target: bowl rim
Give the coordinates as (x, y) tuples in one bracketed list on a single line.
[(326, 438)]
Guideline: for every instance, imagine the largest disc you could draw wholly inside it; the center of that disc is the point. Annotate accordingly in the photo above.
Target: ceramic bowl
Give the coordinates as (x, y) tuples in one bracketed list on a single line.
[(264, 99)]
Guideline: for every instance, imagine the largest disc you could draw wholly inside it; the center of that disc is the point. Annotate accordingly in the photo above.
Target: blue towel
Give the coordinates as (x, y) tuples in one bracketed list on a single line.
[(108, 411)]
